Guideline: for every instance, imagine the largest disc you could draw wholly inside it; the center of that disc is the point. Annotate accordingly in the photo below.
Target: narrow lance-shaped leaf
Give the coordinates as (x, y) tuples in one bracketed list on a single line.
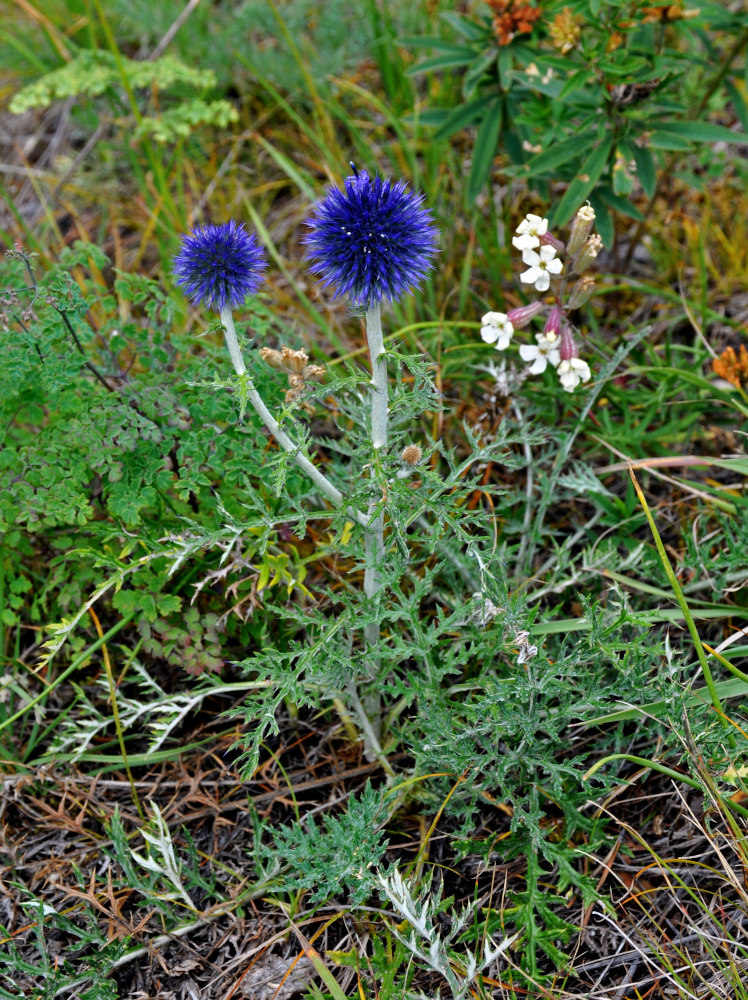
[(485, 149)]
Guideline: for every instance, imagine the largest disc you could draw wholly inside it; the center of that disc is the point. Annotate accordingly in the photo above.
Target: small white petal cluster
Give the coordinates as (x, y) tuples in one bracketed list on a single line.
[(540, 267), (572, 372), (542, 354), (556, 346), (530, 230), (496, 329), (541, 263)]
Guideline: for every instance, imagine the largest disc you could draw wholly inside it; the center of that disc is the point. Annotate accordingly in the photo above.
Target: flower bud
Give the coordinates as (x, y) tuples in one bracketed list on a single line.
[(568, 349), (522, 315), (553, 324), (411, 454), (271, 357), (581, 228), (552, 241), (582, 291), (294, 361), (590, 249)]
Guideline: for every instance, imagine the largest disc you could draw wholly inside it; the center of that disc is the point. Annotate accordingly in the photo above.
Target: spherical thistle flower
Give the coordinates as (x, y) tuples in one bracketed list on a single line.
[(372, 240), (219, 266), (496, 329)]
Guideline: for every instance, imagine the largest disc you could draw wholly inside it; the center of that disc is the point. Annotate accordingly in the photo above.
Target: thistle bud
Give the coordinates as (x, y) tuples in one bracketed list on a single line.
[(582, 291), (411, 454), (581, 228), (553, 324), (590, 249), (522, 315)]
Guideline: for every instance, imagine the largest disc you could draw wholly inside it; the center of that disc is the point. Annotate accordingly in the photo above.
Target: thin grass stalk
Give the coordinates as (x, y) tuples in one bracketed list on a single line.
[(680, 598)]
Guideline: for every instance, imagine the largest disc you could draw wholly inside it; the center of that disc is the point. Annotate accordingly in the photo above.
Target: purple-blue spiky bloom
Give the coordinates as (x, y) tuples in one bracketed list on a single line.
[(219, 266), (372, 240)]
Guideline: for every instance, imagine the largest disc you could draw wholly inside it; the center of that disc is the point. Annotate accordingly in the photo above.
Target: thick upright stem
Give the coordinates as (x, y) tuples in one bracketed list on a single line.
[(320, 481), (374, 533)]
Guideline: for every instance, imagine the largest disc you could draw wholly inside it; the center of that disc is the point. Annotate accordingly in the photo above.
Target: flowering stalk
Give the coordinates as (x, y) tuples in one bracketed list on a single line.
[(370, 241), (374, 532), (219, 267), (320, 481)]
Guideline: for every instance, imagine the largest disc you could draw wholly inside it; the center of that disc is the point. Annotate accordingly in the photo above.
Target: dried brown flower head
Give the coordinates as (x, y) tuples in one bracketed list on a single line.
[(565, 30), (666, 12), (296, 366), (512, 18), (411, 454), (732, 367)]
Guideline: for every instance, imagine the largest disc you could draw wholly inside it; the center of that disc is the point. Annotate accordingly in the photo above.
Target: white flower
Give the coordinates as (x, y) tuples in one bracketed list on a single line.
[(572, 372), (496, 329), (542, 266), (530, 229), (545, 353)]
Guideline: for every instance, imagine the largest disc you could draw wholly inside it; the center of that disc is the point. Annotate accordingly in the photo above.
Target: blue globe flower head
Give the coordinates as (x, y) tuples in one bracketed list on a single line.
[(372, 240), (219, 266)]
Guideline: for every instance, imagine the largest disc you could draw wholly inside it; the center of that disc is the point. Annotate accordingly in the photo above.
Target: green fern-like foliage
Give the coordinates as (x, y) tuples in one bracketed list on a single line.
[(339, 855), (93, 74)]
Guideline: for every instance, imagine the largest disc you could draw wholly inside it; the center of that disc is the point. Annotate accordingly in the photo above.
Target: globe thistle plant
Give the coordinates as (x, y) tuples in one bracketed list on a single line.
[(369, 241), (220, 266)]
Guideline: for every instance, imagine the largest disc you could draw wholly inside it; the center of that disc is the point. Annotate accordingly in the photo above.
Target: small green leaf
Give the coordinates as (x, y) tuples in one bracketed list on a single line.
[(460, 56), (463, 26), (703, 132), (485, 149), (667, 140), (646, 170), (738, 102), (620, 204), (462, 117), (576, 81), (557, 154), (579, 189)]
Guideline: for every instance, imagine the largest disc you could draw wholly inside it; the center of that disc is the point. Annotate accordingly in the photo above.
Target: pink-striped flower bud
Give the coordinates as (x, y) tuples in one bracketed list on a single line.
[(568, 349), (553, 241), (581, 228), (522, 315), (553, 323)]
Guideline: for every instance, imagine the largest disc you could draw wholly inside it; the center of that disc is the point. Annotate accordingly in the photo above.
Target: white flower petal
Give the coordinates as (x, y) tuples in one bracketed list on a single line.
[(528, 277), (489, 333), (525, 242), (543, 281), (554, 266), (528, 352), (547, 253), (531, 258)]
